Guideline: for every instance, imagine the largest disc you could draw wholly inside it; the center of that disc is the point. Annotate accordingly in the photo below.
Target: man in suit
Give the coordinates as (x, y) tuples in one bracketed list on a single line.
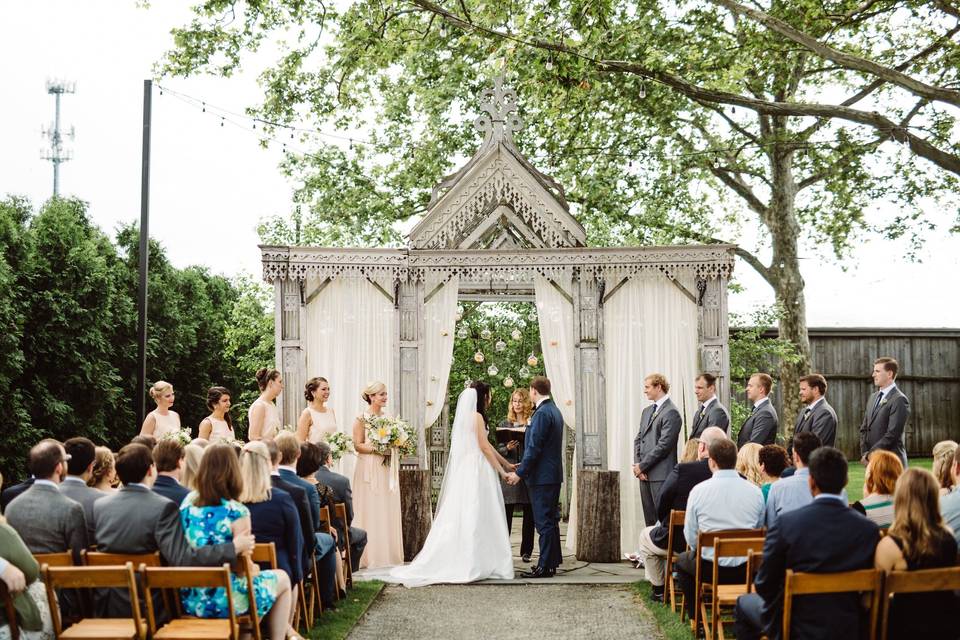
[(47, 520), (761, 427), (673, 496), (168, 457), (340, 485), (655, 447), (887, 413), (139, 520), (825, 536), (289, 448), (710, 413), (542, 469), (13, 491), (818, 417), (82, 453)]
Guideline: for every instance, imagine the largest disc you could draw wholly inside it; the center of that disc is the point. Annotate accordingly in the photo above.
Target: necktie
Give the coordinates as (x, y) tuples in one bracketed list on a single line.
[(879, 399), (754, 410), (652, 415)]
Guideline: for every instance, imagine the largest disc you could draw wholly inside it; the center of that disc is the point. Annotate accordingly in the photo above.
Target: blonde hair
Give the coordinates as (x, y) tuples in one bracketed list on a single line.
[(658, 380), (192, 455), (916, 514), (690, 450), (160, 388), (748, 462), (103, 464), (255, 471), (943, 453), (527, 406), (288, 446), (371, 390)]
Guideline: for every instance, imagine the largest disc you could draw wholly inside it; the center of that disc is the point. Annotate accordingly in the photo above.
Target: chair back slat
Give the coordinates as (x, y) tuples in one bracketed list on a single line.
[(91, 577), (677, 517), (708, 539), (919, 581), (186, 577), (265, 552), (61, 559), (864, 580), (737, 547), (104, 559)]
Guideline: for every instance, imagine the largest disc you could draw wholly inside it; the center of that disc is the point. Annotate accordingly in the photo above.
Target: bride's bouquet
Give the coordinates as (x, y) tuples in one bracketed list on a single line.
[(183, 436), (391, 436), (339, 443)]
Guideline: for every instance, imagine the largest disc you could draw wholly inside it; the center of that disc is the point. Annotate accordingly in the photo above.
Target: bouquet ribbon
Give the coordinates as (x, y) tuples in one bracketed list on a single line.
[(394, 470)]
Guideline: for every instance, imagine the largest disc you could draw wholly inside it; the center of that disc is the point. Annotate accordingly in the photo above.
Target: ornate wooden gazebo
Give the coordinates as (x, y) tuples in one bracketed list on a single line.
[(497, 224)]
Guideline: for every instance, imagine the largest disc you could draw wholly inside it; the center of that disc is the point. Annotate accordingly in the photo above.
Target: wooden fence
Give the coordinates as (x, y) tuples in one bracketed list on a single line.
[(929, 376)]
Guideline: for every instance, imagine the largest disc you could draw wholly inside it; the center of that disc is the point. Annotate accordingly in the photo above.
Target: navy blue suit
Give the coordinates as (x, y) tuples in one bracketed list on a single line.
[(825, 536), (276, 520), (542, 469), (170, 489)]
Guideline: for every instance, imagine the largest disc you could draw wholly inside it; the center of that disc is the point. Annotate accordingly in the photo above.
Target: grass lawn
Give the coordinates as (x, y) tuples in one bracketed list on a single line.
[(335, 625), (669, 621), (855, 474)]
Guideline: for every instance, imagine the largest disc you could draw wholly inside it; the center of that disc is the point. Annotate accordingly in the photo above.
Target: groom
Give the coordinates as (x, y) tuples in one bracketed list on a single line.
[(542, 469)]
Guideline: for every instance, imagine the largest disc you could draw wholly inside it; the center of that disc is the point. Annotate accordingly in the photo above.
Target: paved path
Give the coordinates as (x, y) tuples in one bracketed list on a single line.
[(508, 612)]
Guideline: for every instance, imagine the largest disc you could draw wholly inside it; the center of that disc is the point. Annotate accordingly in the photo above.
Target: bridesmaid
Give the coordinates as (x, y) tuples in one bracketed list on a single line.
[(264, 416), (376, 506), (217, 425), (317, 420), (161, 420)]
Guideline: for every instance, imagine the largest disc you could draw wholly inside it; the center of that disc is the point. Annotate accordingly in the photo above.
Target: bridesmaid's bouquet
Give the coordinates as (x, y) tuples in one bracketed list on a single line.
[(339, 443), (391, 435), (183, 436)]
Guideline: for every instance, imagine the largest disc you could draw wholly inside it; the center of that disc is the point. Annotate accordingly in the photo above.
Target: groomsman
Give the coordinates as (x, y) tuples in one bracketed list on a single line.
[(761, 427), (887, 413), (818, 417), (655, 447), (710, 413)]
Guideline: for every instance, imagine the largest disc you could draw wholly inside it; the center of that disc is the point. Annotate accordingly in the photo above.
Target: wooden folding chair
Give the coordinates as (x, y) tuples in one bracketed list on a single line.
[(132, 628), (245, 569), (9, 611), (341, 510), (185, 628), (754, 560), (708, 539), (61, 559), (798, 584), (103, 559), (725, 595), (669, 585), (325, 518), (920, 581)]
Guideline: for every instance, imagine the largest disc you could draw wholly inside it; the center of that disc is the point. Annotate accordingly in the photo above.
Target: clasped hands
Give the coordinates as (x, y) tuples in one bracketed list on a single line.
[(512, 477), (640, 475)]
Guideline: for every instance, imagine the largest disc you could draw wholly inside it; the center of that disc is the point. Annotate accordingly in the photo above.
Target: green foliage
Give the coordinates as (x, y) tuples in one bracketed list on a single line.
[(668, 621), (337, 624)]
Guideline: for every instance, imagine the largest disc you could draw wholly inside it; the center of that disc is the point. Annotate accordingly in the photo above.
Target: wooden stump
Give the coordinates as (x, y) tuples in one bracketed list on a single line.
[(415, 510), (598, 515)]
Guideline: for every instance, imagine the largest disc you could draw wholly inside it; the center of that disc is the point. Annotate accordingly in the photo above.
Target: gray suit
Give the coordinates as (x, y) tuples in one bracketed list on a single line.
[(715, 415), (655, 450), (76, 489), (822, 422), (137, 520), (340, 485), (883, 426), (761, 427), (48, 521)]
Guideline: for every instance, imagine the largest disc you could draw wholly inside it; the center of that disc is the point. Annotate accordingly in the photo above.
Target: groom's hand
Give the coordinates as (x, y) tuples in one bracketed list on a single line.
[(513, 478), (636, 471)]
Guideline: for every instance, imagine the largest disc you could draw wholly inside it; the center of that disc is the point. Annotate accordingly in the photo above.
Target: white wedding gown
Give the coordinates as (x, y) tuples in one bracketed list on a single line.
[(468, 540)]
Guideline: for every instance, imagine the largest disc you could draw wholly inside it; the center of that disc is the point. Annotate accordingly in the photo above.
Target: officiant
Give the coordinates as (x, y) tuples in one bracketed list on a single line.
[(510, 437)]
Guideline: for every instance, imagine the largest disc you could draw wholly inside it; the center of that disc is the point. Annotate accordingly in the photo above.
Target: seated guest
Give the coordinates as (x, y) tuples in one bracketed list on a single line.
[(307, 465), (138, 520), (192, 455), (773, 460), (340, 485), (13, 491), (943, 464), (748, 462), (47, 520), (824, 536), (20, 572), (289, 448), (673, 496), (146, 440), (213, 515), (725, 501), (82, 454), (320, 545), (691, 451), (950, 503), (918, 539), (168, 457), (879, 480), (793, 492), (103, 476)]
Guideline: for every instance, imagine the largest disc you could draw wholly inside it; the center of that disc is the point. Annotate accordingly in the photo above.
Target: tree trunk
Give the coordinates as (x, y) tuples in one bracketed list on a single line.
[(598, 515), (415, 509)]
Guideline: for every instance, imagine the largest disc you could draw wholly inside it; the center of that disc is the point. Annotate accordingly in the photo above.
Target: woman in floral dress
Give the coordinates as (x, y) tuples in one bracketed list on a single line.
[(213, 514)]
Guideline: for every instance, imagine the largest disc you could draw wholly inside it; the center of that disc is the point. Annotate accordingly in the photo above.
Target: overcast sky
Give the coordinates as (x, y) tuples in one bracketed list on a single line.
[(211, 184)]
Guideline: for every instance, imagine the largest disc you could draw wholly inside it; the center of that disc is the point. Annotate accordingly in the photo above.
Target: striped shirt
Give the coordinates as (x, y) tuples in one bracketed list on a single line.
[(879, 509)]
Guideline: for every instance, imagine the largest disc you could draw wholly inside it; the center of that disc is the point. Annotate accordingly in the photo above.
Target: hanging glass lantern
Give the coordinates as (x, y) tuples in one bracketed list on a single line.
[(486, 334), (462, 333), (467, 383), (478, 357), (508, 382), (500, 346), (524, 372), (532, 316), (516, 335), (492, 370), (532, 360)]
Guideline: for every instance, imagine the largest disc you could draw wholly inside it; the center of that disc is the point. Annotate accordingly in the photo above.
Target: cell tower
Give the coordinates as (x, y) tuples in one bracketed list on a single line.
[(56, 153)]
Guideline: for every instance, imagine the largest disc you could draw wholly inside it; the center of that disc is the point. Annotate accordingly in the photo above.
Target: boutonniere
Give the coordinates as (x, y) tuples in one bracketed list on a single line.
[(703, 412), (883, 402)]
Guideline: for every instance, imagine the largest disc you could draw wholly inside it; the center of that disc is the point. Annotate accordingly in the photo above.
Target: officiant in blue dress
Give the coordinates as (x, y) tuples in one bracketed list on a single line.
[(510, 445)]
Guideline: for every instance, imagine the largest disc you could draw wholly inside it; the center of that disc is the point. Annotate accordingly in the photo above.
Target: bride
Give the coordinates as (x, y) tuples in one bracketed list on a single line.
[(468, 540)]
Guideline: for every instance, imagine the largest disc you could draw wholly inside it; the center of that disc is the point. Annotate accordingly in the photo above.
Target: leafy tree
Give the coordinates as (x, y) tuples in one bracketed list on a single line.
[(667, 122)]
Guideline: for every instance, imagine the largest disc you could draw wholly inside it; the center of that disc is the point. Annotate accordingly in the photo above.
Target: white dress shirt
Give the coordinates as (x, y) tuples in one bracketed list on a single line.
[(725, 501)]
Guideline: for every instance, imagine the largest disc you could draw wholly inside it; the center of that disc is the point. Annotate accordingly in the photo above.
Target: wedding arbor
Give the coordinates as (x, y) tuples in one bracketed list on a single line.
[(498, 229)]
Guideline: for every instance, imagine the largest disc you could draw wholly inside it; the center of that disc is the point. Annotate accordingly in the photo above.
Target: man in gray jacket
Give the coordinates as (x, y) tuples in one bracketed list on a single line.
[(818, 417), (762, 425), (82, 453), (655, 447), (887, 413), (710, 413)]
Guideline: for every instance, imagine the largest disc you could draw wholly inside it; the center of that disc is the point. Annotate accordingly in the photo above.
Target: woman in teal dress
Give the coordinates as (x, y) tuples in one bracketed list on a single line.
[(213, 514)]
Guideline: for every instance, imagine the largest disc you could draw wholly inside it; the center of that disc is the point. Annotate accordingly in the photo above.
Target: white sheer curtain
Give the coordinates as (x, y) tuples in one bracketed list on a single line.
[(439, 320), (555, 315), (350, 342), (649, 326)]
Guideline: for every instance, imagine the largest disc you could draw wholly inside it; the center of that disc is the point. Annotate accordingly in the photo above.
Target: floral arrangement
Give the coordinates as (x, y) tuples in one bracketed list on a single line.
[(340, 443), (228, 440), (388, 435), (183, 436), (289, 427)]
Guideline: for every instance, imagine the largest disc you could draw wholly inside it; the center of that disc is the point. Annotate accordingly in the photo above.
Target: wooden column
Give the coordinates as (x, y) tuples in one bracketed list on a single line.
[(588, 364), (410, 400), (290, 327), (714, 334)]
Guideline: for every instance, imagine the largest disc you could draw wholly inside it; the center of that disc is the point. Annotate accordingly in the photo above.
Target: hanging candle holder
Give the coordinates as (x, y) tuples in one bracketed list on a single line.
[(492, 370), (515, 335), (486, 334), (500, 346), (524, 372), (532, 360), (478, 357), (462, 333), (508, 382)]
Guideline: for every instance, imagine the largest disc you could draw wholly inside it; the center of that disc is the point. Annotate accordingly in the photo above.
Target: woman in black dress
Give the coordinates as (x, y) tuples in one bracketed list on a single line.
[(518, 417)]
